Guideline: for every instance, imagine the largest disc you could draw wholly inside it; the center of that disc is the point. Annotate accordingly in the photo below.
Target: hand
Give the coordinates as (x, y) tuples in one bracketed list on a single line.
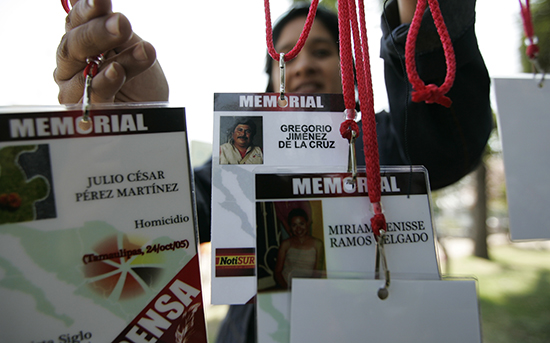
[(129, 72)]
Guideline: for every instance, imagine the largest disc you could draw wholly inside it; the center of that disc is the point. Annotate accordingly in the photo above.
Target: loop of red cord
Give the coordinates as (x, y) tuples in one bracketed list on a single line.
[(65, 4), (93, 66), (347, 17), (303, 36), (430, 93), (347, 127), (532, 50)]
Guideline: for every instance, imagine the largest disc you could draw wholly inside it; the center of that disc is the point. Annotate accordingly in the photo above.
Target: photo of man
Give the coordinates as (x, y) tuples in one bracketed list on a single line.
[(240, 147)]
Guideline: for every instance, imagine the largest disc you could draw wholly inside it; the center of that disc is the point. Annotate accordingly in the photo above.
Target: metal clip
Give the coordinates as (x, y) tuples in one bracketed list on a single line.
[(282, 74), (352, 160), (86, 123), (91, 69), (351, 114), (383, 291), (538, 69)]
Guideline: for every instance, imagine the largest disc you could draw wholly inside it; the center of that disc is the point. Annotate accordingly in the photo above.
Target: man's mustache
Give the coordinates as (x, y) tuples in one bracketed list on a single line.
[(245, 137)]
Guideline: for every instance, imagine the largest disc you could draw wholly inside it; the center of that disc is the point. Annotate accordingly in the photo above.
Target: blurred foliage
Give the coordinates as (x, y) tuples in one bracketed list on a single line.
[(513, 292), (540, 12)]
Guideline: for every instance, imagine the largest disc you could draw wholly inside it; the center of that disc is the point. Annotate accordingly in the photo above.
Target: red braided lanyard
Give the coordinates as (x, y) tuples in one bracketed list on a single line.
[(65, 4), (93, 62), (532, 50), (430, 93), (303, 36), (347, 16)]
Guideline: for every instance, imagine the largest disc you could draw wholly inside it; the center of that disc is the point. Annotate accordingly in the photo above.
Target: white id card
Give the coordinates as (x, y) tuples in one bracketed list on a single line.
[(523, 121), (313, 224), (416, 311), (305, 132), (97, 228)]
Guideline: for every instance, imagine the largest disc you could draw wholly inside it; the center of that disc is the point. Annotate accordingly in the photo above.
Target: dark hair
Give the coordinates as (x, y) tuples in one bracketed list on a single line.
[(328, 17), (242, 121), (297, 212)]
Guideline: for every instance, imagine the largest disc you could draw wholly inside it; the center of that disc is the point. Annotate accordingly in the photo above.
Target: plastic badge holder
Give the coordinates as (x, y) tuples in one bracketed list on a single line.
[(102, 242), (338, 220)]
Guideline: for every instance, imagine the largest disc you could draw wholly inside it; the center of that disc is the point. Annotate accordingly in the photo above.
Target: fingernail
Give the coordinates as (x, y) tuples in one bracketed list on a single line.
[(111, 72), (112, 25), (139, 52), (91, 3)]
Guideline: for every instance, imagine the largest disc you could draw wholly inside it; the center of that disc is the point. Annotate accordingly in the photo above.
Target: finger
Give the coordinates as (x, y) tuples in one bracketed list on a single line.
[(104, 86), (70, 91), (135, 59), (107, 83), (134, 62), (86, 10), (90, 39), (151, 85)]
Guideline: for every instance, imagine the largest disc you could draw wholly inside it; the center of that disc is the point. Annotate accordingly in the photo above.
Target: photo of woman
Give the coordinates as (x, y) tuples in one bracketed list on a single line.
[(300, 255), (289, 242)]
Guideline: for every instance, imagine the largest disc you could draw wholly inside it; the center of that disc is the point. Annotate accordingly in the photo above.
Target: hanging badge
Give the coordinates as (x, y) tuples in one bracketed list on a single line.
[(522, 122), (252, 130), (313, 224), (97, 227)]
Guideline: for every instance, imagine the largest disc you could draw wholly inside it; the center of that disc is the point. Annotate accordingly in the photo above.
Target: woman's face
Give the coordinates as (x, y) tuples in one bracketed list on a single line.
[(316, 69), (298, 226)]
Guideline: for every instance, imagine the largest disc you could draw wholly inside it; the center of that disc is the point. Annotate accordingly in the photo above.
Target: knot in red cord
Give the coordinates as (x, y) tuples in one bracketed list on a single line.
[(347, 127), (532, 51), (93, 65), (431, 94), (378, 222), (91, 69)]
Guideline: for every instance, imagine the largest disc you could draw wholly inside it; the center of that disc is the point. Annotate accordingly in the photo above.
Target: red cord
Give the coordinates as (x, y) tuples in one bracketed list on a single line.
[(430, 93), (346, 67), (65, 4), (91, 69), (346, 56), (347, 14), (532, 50), (303, 36)]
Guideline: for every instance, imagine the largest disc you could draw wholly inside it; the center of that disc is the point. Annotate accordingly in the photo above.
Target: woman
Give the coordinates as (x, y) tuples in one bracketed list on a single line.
[(449, 142), (301, 254)]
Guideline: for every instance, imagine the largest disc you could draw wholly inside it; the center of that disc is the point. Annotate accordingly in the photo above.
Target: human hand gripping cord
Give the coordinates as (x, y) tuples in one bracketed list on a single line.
[(430, 93)]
